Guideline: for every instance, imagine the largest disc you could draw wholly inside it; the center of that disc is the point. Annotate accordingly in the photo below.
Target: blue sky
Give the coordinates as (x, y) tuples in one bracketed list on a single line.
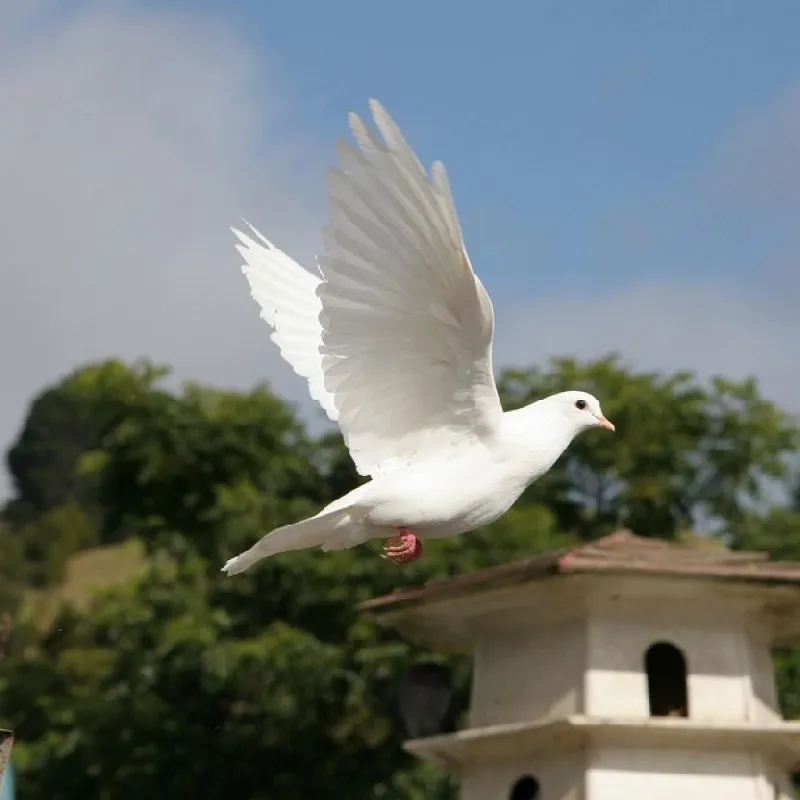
[(559, 121), (627, 173)]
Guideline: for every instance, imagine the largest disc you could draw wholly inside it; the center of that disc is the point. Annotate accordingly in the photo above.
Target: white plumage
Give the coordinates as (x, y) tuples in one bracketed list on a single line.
[(395, 340)]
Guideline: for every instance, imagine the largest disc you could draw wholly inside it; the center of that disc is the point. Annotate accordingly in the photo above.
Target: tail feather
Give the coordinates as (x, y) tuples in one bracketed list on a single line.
[(313, 532)]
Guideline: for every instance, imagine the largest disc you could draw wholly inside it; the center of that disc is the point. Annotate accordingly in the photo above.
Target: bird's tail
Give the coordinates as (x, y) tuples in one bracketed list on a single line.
[(323, 530)]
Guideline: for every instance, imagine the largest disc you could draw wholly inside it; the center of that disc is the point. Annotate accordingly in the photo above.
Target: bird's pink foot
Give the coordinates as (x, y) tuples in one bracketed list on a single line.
[(403, 548)]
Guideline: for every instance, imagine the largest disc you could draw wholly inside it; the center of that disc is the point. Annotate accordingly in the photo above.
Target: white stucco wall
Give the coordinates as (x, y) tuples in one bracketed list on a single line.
[(593, 664), (523, 676), (615, 774), (560, 776), (616, 682), (762, 692), (635, 774)]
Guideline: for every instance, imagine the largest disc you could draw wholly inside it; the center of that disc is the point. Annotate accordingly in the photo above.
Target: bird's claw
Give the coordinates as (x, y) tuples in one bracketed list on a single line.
[(403, 548)]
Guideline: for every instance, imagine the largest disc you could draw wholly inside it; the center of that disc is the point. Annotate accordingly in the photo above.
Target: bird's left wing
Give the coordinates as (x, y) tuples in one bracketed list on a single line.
[(406, 324)]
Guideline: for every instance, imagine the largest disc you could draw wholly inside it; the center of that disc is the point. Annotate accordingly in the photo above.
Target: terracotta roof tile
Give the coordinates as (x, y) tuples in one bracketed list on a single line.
[(619, 552)]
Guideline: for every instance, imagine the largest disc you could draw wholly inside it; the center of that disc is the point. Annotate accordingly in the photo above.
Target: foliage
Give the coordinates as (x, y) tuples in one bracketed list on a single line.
[(182, 682), (64, 422), (161, 468), (684, 456)]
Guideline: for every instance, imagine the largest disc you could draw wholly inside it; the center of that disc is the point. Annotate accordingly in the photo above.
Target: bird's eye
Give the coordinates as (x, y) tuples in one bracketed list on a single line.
[(580, 405)]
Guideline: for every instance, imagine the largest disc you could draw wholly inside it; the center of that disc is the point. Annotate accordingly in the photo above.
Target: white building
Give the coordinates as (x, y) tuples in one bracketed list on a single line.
[(624, 669)]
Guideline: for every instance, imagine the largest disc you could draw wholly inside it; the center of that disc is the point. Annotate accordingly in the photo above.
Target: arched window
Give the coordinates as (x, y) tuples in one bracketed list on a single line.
[(526, 788), (665, 666)]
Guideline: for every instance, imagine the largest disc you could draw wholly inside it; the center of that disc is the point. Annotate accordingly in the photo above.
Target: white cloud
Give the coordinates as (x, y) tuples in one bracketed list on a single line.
[(658, 325), (130, 140), (742, 323)]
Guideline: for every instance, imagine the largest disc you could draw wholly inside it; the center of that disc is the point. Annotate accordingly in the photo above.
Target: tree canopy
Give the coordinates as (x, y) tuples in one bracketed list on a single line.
[(183, 682)]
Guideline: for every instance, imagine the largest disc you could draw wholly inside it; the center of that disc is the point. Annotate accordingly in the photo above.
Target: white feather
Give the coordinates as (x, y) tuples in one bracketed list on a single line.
[(395, 341), (289, 303), (407, 327)]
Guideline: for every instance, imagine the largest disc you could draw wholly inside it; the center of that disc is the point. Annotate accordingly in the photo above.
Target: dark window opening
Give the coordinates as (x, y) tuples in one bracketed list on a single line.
[(526, 788), (665, 665)]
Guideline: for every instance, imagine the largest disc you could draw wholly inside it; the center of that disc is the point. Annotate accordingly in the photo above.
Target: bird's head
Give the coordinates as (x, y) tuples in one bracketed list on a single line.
[(581, 409)]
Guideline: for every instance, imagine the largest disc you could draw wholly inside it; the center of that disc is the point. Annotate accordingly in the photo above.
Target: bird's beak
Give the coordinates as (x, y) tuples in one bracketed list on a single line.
[(604, 423)]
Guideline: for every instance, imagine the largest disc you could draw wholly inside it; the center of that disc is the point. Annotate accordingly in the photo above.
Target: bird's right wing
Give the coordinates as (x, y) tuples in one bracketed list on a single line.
[(287, 294)]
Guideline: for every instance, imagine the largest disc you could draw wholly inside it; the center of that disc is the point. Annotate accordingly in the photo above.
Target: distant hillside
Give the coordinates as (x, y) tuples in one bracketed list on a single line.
[(87, 572)]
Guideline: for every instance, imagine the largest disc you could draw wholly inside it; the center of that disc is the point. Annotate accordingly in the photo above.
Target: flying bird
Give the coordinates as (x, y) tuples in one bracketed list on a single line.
[(393, 333)]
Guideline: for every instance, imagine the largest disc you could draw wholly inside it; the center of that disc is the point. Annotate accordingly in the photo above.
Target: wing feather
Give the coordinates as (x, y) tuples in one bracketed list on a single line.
[(407, 326), (395, 339), (289, 304)]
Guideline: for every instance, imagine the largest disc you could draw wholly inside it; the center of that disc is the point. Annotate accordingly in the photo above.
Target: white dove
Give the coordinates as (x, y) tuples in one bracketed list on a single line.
[(394, 337)]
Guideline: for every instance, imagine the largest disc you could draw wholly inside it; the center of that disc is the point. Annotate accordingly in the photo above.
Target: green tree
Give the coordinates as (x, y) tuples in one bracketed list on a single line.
[(64, 422), (161, 468), (265, 686), (269, 685), (50, 539), (12, 571), (685, 454)]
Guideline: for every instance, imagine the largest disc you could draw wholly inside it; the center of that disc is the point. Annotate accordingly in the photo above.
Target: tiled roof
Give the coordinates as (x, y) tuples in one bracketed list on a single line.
[(619, 552)]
